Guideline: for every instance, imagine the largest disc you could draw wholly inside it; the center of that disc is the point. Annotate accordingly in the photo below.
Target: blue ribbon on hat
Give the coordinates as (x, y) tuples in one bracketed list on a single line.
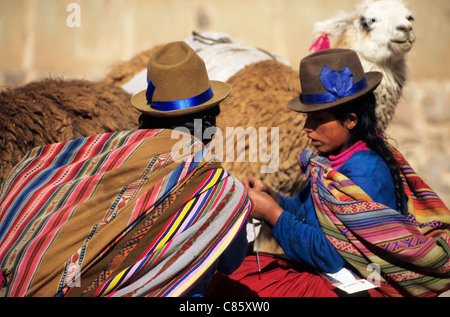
[(176, 104), (339, 85)]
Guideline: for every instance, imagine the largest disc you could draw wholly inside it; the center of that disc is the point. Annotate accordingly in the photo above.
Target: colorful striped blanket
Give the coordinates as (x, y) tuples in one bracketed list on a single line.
[(403, 255), (132, 213)]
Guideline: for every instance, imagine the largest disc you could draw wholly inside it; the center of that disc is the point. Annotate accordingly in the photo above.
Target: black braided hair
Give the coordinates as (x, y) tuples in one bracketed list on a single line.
[(207, 117), (368, 131)]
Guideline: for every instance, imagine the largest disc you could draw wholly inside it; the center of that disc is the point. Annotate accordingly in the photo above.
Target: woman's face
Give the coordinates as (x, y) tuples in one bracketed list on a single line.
[(329, 135)]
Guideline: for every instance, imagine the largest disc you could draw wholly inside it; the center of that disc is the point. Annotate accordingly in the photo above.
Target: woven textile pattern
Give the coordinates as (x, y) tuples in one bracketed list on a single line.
[(68, 206), (412, 253)]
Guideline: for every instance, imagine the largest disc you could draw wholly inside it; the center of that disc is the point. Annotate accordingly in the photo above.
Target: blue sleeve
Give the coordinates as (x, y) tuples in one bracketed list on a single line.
[(291, 204), (299, 234), (298, 231)]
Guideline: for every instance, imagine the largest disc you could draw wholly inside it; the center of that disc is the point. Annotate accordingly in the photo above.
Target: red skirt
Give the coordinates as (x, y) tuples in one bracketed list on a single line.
[(278, 278)]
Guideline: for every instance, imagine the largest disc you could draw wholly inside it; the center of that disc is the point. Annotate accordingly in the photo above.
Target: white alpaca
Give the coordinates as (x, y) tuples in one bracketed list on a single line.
[(223, 57), (381, 32)]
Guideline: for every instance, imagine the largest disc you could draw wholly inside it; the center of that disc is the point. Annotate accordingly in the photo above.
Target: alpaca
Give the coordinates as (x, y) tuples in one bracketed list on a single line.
[(56, 110), (261, 89), (263, 83), (259, 97), (381, 32), (223, 57)]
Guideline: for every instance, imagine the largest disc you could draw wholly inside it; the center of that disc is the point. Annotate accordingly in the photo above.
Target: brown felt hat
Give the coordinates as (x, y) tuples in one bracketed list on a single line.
[(330, 78), (178, 84)]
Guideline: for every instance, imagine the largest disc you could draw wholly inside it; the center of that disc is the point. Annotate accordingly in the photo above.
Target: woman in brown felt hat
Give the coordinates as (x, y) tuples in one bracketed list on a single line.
[(116, 214), (361, 205), (179, 95), (179, 91)]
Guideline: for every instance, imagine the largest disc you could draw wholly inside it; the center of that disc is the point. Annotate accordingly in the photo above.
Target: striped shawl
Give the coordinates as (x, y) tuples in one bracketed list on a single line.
[(116, 214), (404, 255)]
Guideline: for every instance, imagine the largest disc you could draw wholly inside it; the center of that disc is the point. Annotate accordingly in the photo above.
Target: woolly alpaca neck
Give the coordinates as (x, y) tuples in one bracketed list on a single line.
[(337, 160)]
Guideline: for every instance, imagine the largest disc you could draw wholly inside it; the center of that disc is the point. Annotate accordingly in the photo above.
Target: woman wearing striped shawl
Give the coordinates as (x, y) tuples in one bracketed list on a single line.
[(131, 213), (363, 208)]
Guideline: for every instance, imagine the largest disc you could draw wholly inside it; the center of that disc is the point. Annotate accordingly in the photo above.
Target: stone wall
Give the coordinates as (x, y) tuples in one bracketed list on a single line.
[(421, 130), (39, 37)]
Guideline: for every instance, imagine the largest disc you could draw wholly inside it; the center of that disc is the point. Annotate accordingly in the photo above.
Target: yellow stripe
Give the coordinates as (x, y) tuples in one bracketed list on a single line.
[(214, 180), (113, 283), (187, 208), (173, 228), (232, 233)]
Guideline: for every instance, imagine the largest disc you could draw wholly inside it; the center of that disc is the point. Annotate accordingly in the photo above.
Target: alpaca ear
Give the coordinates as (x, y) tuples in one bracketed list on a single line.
[(335, 26)]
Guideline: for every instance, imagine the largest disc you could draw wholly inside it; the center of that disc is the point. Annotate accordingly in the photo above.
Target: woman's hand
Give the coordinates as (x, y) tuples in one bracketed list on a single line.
[(252, 182), (265, 200), (265, 207)]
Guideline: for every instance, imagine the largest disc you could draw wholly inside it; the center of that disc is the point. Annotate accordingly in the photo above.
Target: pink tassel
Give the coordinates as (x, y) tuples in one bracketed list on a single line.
[(2, 279), (322, 43)]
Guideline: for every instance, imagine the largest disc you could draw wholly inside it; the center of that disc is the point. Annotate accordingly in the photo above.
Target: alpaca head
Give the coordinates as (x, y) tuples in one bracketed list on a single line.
[(379, 30), (384, 30)]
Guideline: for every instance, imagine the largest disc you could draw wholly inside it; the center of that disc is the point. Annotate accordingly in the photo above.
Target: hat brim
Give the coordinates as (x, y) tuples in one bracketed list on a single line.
[(220, 89), (373, 80)]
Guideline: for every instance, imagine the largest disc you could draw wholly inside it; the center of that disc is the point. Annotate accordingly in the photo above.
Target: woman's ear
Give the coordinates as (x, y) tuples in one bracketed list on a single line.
[(351, 121)]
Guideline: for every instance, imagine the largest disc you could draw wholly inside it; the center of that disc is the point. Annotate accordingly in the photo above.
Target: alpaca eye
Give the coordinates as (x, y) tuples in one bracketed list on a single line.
[(410, 18), (370, 22), (367, 23)]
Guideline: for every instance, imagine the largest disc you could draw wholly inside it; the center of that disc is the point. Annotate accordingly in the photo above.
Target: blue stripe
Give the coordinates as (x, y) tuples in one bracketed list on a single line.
[(60, 160)]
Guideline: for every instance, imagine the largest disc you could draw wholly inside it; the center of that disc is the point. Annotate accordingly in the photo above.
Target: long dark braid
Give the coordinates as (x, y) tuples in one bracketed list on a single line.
[(367, 131)]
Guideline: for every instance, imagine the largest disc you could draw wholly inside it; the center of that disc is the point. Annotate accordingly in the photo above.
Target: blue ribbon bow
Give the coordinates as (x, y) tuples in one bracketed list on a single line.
[(176, 104), (150, 90), (339, 84)]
